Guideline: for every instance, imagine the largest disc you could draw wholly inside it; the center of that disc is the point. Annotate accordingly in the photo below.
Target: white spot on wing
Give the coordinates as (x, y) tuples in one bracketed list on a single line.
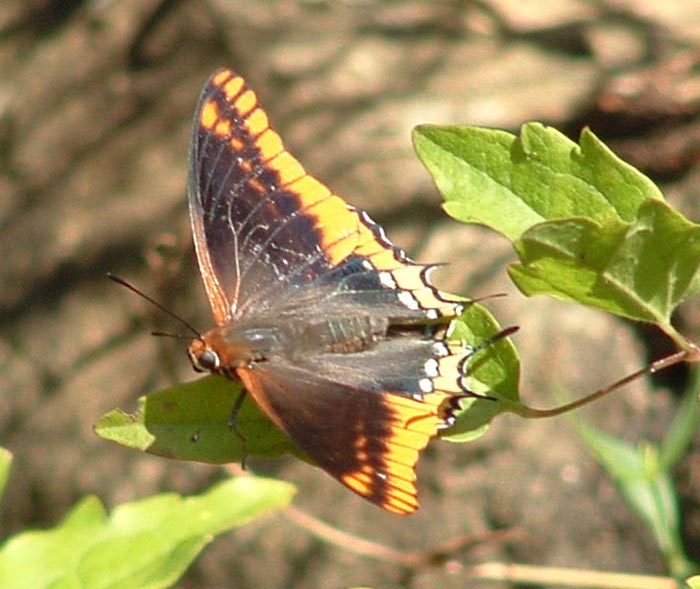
[(408, 300), (426, 385), (431, 367), (441, 349), (386, 279)]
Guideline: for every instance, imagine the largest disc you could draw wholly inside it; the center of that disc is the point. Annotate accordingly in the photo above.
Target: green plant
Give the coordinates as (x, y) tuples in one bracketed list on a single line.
[(587, 228), (147, 543)]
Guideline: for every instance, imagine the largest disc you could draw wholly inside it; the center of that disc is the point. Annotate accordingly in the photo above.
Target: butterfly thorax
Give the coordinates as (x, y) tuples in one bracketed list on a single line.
[(226, 348)]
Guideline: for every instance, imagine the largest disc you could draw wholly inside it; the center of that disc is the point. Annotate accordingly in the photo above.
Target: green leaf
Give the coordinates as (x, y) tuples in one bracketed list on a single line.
[(587, 226), (472, 169), (647, 487), (146, 544), (38, 559), (492, 372), (511, 183), (682, 429), (190, 422), (641, 270)]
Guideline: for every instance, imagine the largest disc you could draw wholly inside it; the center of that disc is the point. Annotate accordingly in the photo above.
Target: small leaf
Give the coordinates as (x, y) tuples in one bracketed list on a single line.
[(511, 183), (472, 169), (190, 422), (146, 544), (646, 486), (492, 372), (682, 430), (33, 560), (641, 270)]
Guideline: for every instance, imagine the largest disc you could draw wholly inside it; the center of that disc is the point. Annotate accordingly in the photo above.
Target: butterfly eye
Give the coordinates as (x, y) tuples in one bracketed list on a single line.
[(206, 361)]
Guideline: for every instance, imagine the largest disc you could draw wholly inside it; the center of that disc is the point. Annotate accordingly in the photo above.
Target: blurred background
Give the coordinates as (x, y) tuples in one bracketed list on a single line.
[(96, 103)]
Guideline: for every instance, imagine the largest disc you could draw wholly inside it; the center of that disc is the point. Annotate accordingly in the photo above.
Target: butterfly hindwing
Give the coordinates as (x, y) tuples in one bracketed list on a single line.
[(369, 439)]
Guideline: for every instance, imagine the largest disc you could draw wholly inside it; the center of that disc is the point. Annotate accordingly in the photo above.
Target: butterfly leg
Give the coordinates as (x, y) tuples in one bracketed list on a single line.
[(233, 426)]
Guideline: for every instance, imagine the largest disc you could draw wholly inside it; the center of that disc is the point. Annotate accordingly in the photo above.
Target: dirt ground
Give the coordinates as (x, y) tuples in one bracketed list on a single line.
[(96, 100)]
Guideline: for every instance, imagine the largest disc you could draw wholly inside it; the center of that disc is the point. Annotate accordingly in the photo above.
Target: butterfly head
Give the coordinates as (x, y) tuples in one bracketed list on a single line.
[(204, 358)]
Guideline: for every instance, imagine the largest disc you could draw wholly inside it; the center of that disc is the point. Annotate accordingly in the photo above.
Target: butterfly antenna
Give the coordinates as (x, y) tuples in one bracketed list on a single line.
[(169, 334), (155, 303)]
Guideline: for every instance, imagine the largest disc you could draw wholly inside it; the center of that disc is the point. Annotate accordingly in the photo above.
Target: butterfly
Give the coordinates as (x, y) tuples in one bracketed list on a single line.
[(337, 336)]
